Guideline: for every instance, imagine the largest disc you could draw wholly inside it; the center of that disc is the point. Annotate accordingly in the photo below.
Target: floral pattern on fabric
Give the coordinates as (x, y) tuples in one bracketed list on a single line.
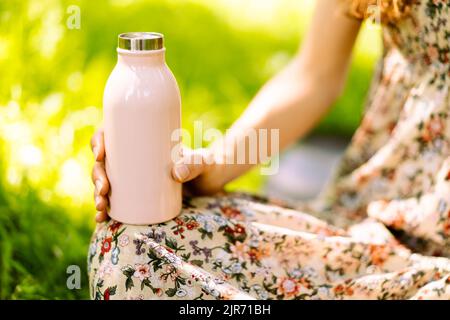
[(231, 247), (396, 168), (370, 235)]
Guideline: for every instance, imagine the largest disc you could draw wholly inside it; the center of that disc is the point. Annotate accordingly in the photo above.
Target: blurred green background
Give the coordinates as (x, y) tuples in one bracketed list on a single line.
[(51, 84)]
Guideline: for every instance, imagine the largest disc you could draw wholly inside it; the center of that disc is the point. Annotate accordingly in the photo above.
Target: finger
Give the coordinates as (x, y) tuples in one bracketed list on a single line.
[(101, 216), (98, 145), (100, 179), (192, 164), (101, 203)]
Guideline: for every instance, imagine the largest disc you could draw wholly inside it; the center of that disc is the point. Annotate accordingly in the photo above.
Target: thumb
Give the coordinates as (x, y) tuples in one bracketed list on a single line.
[(192, 164)]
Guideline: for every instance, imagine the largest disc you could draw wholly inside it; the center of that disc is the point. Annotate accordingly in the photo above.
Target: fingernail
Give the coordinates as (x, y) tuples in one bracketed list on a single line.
[(181, 172), (95, 150), (98, 186)]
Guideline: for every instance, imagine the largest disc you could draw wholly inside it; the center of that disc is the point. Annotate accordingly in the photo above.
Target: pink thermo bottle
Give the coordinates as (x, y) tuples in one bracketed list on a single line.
[(141, 110)]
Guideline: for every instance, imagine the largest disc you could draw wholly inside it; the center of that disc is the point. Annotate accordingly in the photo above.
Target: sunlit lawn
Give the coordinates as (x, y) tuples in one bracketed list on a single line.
[(52, 80)]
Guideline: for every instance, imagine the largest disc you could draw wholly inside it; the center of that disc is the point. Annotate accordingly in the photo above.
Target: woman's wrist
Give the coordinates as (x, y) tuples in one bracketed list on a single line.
[(221, 167)]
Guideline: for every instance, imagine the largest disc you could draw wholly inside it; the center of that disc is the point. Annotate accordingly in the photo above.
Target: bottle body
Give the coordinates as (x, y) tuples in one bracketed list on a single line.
[(142, 109)]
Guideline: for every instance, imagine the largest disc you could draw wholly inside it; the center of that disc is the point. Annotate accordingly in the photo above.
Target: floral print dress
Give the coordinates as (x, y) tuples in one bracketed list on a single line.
[(380, 230)]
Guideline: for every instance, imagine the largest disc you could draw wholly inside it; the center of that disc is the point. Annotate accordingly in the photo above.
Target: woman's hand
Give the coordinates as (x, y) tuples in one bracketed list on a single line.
[(193, 169), (99, 177)]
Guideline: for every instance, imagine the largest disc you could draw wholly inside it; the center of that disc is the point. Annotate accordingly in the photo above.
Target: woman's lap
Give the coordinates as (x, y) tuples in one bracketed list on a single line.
[(236, 246)]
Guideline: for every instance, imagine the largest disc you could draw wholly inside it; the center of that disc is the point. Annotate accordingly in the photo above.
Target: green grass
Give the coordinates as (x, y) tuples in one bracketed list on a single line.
[(37, 244), (50, 102)]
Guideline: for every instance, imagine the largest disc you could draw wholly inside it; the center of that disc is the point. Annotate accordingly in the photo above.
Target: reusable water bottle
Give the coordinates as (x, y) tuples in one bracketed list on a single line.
[(141, 110)]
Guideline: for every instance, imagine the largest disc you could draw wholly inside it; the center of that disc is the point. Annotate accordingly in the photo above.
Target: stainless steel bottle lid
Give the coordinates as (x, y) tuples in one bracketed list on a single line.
[(141, 41)]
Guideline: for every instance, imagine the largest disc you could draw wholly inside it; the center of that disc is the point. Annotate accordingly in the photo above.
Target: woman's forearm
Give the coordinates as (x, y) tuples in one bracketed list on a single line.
[(290, 103), (296, 98)]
